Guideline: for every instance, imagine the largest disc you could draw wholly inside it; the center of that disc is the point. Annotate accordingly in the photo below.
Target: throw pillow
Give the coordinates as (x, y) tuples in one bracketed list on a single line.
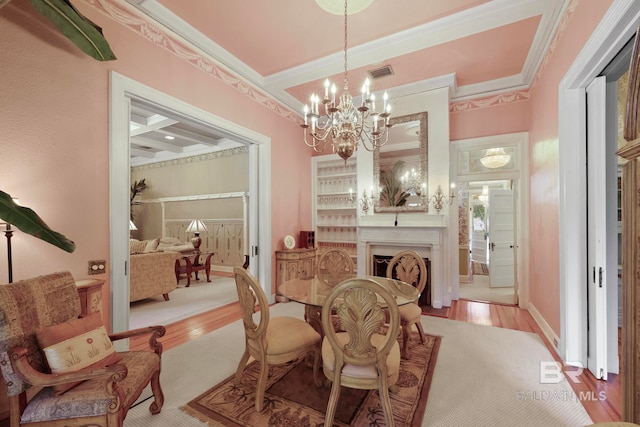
[(77, 344), (151, 245), (136, 246)]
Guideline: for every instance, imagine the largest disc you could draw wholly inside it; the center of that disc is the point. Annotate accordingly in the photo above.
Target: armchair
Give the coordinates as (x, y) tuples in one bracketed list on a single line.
[(102, 396)]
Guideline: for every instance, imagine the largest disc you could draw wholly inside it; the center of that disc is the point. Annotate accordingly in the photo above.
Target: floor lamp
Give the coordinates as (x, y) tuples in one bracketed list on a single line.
[(8, 233)]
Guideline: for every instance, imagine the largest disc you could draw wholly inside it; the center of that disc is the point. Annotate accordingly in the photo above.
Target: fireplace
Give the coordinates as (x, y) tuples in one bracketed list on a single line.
[(379, 268), (386, 241)]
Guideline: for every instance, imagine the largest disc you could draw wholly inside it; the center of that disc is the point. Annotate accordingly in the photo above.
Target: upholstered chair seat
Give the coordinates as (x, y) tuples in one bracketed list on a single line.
[(367, 372), (81, 401)]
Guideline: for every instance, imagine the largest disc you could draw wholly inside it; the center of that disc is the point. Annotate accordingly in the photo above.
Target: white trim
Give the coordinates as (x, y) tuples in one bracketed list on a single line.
[(122, 90), (546, 330), (614, 31), (471, 21), (521, 174)]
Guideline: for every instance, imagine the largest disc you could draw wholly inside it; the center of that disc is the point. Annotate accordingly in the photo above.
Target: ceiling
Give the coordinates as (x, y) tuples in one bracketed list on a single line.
[(287, 48)]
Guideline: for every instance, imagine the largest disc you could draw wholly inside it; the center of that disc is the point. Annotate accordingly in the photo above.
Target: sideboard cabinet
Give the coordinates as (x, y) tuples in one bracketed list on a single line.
[(292, 264)]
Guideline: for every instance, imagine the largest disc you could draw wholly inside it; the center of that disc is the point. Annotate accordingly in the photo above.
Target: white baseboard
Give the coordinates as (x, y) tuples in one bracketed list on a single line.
[(544, 326)]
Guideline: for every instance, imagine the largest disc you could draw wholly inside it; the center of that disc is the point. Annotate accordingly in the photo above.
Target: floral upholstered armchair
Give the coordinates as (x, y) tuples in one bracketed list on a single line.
[(60, 369)]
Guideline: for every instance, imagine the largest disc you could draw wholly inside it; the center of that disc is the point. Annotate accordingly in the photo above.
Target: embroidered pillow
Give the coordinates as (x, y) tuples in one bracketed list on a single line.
[(75, 345)]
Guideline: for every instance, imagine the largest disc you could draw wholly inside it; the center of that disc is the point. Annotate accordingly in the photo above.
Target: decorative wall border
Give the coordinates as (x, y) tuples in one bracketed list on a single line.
[(192, 159), (136, 22), (520, 95)]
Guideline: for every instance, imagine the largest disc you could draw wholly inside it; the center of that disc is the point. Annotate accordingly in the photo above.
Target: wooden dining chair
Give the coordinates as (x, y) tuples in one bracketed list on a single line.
[(361, 352), (270, 341), (334, 266), (409, 267)]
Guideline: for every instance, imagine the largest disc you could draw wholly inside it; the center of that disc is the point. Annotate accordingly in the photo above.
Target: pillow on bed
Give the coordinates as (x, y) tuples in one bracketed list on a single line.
[(77, 344)]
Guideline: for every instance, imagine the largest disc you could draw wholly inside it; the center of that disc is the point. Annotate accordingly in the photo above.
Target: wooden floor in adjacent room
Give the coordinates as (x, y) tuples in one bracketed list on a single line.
[(601, 399)]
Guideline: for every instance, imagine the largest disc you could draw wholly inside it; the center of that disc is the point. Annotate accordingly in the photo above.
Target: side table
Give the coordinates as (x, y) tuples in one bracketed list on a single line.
[(192, 264), (90, 293)]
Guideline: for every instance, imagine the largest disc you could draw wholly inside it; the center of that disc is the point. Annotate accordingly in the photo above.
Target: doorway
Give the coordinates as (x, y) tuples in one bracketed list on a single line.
[(485, 282), (476, 182), (123, 92)]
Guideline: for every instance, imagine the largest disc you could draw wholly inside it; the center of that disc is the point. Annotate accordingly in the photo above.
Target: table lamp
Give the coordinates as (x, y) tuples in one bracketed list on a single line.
[(196, 227)]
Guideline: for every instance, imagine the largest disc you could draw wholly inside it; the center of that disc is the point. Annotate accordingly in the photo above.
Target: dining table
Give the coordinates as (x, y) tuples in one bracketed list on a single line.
[(312, 292)]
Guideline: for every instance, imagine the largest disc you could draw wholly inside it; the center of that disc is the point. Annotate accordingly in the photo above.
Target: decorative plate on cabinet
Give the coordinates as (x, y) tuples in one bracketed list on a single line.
[(289, 242)]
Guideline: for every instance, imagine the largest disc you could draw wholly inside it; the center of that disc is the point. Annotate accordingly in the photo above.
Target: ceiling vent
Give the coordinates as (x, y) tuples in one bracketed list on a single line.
[(381, 72)]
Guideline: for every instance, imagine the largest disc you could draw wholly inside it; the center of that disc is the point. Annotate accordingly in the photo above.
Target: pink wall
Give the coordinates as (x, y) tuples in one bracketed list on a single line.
[(54, 113), (543, 161), (539, 116), (494, 120)]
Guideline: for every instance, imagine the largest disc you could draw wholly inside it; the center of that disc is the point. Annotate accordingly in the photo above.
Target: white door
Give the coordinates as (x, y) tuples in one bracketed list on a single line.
[(478, 235), (596, 229), (502, 232)]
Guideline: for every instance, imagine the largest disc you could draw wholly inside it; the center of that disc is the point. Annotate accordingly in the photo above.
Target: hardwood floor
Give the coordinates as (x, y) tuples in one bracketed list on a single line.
[(601, 399)]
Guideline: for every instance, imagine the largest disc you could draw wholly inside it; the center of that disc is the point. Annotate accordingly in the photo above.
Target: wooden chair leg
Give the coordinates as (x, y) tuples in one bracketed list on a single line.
[(317, 376), (332, 404), (421, 331), (262, 383), (383, 391), (158, 395), (241, 365), (406, 333)]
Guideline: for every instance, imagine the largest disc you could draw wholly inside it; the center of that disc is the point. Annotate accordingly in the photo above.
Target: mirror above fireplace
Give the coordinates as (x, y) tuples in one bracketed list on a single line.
[(400, 167)]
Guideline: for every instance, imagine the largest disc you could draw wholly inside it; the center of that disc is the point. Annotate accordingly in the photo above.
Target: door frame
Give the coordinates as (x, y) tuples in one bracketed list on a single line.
[(520, 177), (614, 31), (122, 90)]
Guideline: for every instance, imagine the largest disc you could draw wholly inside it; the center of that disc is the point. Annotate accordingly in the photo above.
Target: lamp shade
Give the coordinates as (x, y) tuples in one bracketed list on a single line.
[(132, 226), (196, 226), (495, 158)]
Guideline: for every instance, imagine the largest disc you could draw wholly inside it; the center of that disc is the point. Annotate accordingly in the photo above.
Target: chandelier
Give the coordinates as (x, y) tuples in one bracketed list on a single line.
[(495, 158), (345, 124)]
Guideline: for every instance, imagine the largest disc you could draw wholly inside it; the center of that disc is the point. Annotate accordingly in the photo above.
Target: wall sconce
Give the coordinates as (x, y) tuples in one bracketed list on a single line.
[(196, 227), (439, 198), (366, 201)]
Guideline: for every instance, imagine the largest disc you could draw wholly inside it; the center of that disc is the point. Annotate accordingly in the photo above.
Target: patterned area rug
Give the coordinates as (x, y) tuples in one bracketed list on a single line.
[(292, 399)]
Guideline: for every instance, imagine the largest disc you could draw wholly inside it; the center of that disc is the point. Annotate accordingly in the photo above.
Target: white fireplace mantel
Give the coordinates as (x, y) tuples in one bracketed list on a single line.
[(427, 240)]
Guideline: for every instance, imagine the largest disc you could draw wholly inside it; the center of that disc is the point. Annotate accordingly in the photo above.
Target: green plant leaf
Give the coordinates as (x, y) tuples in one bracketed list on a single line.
[(29, 222), (81, 31)]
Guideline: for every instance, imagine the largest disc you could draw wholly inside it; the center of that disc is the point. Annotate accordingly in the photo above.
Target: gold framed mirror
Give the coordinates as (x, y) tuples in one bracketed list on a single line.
[(400, 167)]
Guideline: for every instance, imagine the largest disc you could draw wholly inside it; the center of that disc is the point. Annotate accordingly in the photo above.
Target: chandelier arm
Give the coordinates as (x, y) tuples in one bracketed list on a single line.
[(317, 142), (374, 142)]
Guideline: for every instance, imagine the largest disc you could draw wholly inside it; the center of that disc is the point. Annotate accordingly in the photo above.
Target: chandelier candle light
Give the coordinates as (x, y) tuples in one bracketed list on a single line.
[(345, 123)]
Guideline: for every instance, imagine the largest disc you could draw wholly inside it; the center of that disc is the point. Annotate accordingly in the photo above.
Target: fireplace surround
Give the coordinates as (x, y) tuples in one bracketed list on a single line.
[(425, 240)]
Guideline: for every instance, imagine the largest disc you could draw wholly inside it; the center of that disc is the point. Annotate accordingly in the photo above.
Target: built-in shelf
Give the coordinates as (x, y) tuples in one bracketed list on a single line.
[(335, 205)]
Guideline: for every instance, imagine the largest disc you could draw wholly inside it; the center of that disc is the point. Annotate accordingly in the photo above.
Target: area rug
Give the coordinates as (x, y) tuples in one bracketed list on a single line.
[(292, 399), (480, 268)]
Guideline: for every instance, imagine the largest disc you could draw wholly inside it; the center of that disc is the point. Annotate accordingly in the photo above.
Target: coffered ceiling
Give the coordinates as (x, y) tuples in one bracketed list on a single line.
[(287, 48)]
